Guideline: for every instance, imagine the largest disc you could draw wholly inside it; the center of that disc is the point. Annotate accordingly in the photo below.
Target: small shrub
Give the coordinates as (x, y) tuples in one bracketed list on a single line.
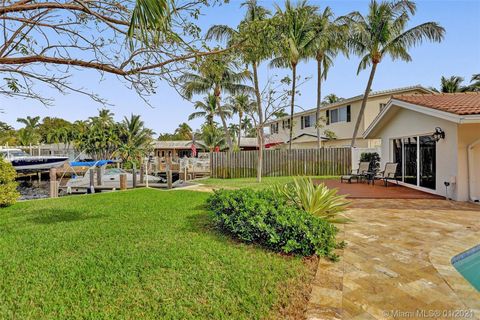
[(318, 200), (8, 186), (373, 158), (264, 218)]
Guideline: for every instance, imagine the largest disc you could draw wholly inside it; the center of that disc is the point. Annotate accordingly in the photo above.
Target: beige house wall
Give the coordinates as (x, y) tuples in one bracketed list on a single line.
[(405, 123), (342, 130), (467, 134)]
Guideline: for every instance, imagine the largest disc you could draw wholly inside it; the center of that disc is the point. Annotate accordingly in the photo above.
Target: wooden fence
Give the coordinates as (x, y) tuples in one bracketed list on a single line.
[(278, 162)]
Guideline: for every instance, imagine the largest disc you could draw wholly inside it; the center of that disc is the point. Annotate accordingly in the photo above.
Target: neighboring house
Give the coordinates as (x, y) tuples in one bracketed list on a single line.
[(174, 149), (435, 138), (180, 148), (339, 118)]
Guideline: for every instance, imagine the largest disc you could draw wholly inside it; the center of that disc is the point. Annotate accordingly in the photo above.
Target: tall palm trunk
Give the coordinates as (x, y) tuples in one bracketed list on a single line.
[(292, 104), (260, 137), (364, 102), (224, 120), (319, 97), (240, 116)]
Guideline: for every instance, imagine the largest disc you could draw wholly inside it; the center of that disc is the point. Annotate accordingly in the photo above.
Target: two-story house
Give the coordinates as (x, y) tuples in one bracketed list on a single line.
[(338, 118)]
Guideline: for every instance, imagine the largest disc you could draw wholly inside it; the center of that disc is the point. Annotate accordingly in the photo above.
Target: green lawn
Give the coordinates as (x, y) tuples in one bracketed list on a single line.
[(144, 254), (252, 182)]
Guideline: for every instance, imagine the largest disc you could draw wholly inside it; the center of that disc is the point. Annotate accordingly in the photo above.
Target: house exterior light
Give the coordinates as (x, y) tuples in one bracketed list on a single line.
[(438, 134)]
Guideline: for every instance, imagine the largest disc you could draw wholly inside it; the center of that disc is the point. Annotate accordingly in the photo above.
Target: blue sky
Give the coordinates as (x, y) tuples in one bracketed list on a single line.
[(458, 54)]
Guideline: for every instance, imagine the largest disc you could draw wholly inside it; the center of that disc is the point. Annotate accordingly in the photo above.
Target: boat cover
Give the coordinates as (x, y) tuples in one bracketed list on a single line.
[(98, 163)]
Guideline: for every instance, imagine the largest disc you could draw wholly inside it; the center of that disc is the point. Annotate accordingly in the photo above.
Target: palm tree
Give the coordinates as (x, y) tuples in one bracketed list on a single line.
[(30, 122), (253, 37), (382, 33), (234, 130), (212, 138), (105, 117), (7, 134), (241, 104), (450, 85), (135, 140), (475, 82), (184, 131), (57, 135), (454, 84), (208, 110), (249, 130), (331, 98), (217, 73), (296, 35), (330, 39), (99, 136), (29, 134)]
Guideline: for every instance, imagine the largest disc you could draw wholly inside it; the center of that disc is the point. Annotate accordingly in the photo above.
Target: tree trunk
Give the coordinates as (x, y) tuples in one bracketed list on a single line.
[(260, 137), (240, 115), (292, 104), (319, 98), (364, 103), (224, 120)]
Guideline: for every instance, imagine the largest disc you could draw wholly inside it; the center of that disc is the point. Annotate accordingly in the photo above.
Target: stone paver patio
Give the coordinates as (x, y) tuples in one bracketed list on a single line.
[(396, 264)]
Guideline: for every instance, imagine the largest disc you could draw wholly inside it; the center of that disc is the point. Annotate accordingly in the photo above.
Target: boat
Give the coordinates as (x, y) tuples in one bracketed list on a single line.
[(22, 161), (110, 177)]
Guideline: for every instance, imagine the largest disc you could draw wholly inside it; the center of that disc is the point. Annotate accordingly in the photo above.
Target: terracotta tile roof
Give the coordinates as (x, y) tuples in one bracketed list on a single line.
[(467, 103)]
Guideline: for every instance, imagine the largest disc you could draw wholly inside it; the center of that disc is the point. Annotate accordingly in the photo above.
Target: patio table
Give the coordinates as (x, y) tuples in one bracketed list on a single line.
[(370, 176)]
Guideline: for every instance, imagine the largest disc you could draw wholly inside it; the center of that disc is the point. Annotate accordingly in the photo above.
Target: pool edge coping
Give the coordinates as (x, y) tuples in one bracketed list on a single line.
[(441, 258)]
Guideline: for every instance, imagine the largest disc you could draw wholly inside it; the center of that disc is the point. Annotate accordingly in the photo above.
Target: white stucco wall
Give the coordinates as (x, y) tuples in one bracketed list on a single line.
[(410, 123), (467, 134)]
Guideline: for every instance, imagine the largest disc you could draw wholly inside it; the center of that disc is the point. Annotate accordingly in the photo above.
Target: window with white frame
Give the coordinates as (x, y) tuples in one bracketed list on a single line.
[(382, 106), (341, 114), (274, 128), (307, 121), (286, 124)]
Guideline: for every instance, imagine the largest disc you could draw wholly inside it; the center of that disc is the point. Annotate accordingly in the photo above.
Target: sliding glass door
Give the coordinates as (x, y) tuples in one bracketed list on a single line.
[(416, 157), (427, 162), (410, 160)]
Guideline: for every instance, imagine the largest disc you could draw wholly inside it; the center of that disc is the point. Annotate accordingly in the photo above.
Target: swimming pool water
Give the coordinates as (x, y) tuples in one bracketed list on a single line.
[(469, 268)]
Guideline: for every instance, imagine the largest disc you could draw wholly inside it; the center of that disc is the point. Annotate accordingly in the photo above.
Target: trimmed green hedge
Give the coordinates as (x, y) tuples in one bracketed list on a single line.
[(8, 186), (264, 218)]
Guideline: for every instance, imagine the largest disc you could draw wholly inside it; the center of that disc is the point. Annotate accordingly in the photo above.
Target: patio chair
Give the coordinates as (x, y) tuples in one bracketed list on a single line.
[(358, 174), (388, 174)]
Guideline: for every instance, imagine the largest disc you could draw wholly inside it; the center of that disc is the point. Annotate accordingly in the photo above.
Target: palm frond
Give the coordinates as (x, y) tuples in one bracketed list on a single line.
[(220, 33), (416, 35), (279, 62), (364, 63), (149, 19), (195, 115)]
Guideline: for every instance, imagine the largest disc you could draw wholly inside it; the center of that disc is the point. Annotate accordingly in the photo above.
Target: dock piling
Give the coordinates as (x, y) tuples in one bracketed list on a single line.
[(134, 177), (53, 183), (92, 181), (99, 176), (142, 175), (123, 181), (169, 178)]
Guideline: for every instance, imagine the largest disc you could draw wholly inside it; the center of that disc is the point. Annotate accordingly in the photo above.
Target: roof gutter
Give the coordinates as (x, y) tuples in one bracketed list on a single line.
[(470, 166)]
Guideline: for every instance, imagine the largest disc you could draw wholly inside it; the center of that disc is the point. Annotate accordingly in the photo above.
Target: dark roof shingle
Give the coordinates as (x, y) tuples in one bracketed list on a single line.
[(465, 103)]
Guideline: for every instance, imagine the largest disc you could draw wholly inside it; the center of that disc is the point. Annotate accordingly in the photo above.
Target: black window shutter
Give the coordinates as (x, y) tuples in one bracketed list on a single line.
[(348, 114), (328, 116), (302, 122)]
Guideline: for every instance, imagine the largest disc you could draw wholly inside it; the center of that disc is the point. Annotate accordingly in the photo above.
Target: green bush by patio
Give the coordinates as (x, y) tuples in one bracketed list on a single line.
[(8, 186), (265, 218), (140, 254)]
